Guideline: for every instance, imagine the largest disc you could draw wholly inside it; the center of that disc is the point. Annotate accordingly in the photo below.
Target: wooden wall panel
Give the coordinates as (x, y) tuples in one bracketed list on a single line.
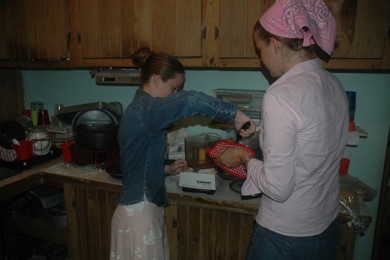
[(11, 93)]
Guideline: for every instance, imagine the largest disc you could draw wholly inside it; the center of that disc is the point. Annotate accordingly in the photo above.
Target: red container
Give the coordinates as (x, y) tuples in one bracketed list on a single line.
[(43, 118), (24, 151), (344, 165), (66, 152)]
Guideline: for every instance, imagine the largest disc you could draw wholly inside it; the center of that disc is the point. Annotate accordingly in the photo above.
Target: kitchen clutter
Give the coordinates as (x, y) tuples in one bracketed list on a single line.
[(84, 134), (353, 190), (95, 128), (21, 143)]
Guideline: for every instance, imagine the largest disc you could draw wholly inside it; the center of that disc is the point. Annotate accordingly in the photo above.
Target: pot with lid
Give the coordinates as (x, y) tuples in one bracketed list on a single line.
[(96, 129)]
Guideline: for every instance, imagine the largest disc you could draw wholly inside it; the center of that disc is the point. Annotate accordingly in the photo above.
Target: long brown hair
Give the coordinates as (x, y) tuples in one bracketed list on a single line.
[(152, 63)]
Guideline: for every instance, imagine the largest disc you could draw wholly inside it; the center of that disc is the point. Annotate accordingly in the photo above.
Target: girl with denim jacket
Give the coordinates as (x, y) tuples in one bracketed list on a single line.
[(138, 229)]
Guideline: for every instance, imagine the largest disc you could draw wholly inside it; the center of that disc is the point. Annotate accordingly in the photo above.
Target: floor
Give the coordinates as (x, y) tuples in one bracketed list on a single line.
[(26, 248)]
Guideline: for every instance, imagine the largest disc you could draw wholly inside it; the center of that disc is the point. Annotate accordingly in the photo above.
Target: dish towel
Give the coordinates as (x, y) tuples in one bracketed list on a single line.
[(216, 151)]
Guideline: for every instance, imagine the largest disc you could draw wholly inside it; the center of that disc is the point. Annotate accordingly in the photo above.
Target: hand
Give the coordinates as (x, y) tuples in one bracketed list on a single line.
[(240, 120), (176, 167), (232, 157)]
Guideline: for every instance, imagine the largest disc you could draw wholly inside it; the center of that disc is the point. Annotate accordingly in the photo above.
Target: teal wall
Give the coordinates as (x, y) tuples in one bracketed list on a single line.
[(73, 87)]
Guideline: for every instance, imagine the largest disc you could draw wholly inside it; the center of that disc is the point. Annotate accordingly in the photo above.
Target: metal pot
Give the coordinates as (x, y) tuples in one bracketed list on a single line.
[(94, 116), (96, 129), (96, 135)]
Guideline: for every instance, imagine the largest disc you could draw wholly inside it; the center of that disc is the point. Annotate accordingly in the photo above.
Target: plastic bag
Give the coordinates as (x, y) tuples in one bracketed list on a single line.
[(363, 190), (349, 204)]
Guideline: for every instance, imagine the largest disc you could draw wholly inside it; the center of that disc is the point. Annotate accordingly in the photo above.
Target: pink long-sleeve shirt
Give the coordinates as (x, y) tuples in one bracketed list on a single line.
[(303, 134)]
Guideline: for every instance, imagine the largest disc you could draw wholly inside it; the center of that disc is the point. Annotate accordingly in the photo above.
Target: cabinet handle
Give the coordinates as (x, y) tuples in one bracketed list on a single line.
[(174, 222), (216, 32), (73, 203), (204, 31), (78, 38), (343, 248)]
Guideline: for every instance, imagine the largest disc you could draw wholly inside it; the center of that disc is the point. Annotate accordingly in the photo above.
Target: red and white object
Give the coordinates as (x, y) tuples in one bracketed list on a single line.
[(217, 150)]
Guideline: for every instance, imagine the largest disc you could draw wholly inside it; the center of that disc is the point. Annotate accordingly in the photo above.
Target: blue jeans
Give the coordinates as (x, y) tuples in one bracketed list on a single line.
[(268, 245)]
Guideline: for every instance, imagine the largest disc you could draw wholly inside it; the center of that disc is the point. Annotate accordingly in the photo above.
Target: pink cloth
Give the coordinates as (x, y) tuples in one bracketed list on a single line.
[(289, 18)]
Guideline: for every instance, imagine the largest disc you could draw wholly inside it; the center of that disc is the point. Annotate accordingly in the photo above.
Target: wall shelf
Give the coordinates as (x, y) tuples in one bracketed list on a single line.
[(354, 136)]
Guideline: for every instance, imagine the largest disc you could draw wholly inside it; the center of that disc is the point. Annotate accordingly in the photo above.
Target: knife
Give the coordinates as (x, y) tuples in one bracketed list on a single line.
[(243, 127)]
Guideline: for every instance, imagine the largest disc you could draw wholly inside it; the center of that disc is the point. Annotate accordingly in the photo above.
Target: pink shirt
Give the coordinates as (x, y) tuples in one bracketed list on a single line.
[(303, 134)]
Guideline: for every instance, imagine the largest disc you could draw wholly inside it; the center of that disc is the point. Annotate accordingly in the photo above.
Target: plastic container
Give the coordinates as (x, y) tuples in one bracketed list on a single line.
[(344, 165), (66, 152), (195, 152), (24, 151)]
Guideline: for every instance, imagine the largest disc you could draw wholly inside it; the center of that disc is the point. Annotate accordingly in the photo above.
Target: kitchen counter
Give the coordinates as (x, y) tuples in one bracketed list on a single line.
[(56, 169), (194, 220)]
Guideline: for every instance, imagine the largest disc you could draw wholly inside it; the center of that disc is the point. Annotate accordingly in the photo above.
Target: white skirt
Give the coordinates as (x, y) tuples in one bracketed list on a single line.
[(138, 231)]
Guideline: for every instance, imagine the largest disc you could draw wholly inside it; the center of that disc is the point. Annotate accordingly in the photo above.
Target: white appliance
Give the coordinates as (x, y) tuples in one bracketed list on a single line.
[(205, 180)]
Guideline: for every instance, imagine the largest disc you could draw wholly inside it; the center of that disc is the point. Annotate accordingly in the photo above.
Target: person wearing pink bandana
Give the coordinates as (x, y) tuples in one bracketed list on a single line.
[(303, 134)]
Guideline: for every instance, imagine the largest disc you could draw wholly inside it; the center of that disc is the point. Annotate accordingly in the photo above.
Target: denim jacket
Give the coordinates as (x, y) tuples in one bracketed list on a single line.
[(142, 139)]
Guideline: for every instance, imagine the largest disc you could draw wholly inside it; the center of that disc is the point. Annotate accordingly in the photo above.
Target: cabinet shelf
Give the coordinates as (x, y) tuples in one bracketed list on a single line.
[(354, 136), (37, 227)]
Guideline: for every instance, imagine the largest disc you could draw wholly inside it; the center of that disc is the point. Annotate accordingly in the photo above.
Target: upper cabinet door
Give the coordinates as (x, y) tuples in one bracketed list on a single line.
[(109, 31), (33, 30), (361, 27), (237, 19), (362, 37)]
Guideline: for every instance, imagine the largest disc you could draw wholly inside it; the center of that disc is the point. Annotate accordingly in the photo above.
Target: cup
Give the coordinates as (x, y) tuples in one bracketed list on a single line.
[(24, 150), (344, 165), (26, 112), (35, 108), (66, 152), (43, 118)]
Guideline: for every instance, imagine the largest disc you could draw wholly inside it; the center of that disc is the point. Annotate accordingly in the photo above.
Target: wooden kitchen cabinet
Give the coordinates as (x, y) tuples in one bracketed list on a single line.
[(232, 42), (198, 227), (33, 31), (109, 31), (89, 211), (198, 231), (362, 42), (346, 243), (201, 33)]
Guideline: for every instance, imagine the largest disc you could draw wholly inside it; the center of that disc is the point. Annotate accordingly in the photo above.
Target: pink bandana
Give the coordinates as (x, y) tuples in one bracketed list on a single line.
[(288, 18)]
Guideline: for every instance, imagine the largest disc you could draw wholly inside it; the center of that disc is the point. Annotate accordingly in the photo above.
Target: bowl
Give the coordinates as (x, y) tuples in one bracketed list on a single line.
[(41, 142)]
